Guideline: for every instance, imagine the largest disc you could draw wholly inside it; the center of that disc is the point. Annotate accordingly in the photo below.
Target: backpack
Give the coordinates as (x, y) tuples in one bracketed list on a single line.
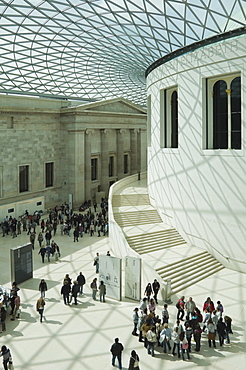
[(178, 305)]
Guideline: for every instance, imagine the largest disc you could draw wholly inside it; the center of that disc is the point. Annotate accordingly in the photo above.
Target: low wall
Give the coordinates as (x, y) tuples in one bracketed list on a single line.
[(120, 246)]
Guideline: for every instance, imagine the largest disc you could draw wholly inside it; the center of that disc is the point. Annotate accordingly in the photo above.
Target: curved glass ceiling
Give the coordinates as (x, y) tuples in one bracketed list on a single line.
[(99, 49)]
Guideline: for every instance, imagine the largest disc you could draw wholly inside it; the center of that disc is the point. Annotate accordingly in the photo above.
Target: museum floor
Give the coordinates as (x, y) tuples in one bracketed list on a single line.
[(79, 337)]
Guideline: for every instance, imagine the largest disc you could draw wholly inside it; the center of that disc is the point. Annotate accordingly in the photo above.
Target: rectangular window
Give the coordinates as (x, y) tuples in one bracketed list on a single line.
[(111, 166), (125, 163), (93, 169), (169, 118), (49, 174), (23, 178)]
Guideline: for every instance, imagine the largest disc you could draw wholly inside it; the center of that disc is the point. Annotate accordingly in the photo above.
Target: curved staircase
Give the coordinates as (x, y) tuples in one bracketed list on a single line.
[(163, 246)]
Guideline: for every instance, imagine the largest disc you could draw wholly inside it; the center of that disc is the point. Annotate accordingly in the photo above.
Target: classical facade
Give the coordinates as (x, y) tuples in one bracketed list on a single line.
[(51, 148), (196, 145)]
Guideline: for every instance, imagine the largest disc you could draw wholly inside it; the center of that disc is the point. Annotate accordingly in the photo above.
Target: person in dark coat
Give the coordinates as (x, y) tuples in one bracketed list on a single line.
[(65, 290), (75, 291), (42, 288), (81, 282), (42, 251), (116, 350), (148, 291), (156, 288), (134, 361), (221, 328), (7, 358)]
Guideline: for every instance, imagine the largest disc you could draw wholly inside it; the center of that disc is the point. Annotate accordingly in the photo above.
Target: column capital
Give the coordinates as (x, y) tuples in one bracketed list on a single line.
[(89, 131), (106, 131)]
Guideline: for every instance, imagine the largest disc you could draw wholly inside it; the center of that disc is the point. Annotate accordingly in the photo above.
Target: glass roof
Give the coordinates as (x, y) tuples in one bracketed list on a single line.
[(99, 49)]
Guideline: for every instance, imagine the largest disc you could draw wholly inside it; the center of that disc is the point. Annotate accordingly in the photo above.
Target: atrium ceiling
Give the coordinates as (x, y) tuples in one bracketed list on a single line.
[(97, 49)]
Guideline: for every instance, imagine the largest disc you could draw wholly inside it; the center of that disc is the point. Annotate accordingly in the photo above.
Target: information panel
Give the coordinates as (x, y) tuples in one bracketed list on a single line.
[(133, 278), (110, 274), (21, 263)]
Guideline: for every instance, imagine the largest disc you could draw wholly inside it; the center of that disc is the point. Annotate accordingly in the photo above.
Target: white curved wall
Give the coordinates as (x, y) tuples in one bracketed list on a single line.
[(200, 192)]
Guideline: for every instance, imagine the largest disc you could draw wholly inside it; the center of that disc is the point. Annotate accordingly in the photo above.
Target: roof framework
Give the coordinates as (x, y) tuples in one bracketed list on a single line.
[(98, 49)]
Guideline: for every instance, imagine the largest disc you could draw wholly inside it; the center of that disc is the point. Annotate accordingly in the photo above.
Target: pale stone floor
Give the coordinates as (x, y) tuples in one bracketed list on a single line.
[(79, 337)]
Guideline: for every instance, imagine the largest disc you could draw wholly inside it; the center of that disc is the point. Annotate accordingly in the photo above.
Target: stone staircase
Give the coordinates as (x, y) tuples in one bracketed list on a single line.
[(134, 215), (189, 271), (151, 242), (141, 217)]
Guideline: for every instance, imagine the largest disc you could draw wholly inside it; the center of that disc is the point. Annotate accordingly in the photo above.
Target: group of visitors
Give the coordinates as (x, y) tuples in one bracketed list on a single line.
[(155, 331)]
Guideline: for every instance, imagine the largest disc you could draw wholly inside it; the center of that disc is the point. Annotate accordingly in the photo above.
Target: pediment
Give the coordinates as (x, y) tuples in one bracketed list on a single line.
[(118, 105)]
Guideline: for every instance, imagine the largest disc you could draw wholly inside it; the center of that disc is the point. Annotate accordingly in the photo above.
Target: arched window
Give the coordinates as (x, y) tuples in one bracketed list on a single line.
[(174, 119), (224, 113), (169, 118)]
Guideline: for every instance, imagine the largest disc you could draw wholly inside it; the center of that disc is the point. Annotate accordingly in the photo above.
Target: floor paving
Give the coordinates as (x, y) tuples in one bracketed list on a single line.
[(79, 337)]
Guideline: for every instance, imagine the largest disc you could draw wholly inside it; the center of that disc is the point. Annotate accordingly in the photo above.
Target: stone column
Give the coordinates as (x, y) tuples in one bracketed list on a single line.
[(135, 151), (104, 160), (88, 134), (120, 153), (143, 150)]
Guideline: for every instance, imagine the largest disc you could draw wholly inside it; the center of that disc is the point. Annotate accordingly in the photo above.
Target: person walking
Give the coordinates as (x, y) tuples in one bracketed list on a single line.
[(94, 289), (156, 288), (65, 290), (42, 287), (148, 291), (81, 281), (134, 361), (75, 291), (7, 358), (176, 341), (96, 263), (40, 307), (48, 251), (16, 311), (42, 251), (116, 350), (102, 291), (32, 239), (165, 314), (151, 341)]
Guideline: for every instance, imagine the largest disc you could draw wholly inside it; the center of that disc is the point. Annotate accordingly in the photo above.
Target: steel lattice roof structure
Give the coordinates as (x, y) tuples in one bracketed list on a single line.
[(98, 49)]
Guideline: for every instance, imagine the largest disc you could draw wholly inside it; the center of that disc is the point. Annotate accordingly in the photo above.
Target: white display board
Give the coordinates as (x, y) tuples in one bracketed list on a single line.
[(110, 274), (133, 278)]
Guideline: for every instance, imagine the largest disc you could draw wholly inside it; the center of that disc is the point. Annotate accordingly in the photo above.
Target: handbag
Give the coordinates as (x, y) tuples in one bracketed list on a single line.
[(11, 366), (211, 336)]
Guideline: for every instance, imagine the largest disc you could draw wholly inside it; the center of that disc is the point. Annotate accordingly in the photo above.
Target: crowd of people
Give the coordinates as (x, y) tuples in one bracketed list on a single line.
[(189, 323)]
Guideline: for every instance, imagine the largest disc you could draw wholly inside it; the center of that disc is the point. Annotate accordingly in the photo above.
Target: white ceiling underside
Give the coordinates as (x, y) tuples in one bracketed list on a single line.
[(99, 49)]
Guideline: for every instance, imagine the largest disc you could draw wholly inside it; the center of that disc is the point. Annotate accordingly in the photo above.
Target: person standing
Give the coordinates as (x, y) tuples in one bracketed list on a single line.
[(151, 340), (190, 307), (76, 235), (211, 333), (116, 350), (3, 315), (16, 312), (40, 307), (40, 239), (165, 338), (94, 289), (208, 305), (135, 318), (180, 306), (134, 361), (7, 358), (81, 281), (197, 337), (42, 288), (96, 263), (102, 291), (156, 288), (176, 341), (165, 314), (221, 327), (65, 290), (32, 238)]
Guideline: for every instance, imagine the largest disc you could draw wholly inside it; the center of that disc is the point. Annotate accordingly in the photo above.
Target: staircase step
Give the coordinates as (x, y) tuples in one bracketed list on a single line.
[(195, 269), (130, 200), (181, 266), (153, 249), (137, 218), (178, 288), (181, 262)]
